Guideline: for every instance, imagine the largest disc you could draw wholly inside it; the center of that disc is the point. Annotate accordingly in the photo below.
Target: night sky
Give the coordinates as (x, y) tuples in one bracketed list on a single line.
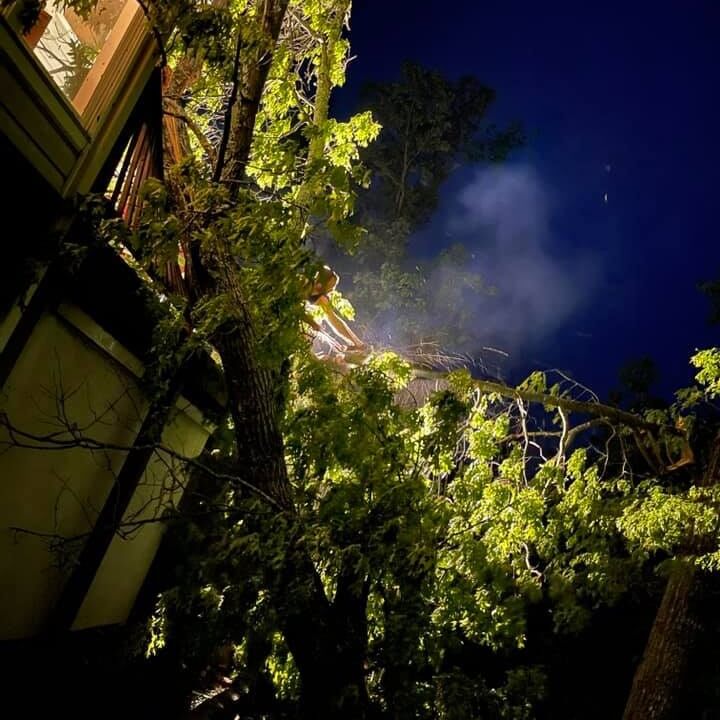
[(615, 197)]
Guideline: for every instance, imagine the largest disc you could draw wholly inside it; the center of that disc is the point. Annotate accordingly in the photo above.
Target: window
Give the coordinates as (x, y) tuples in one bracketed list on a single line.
[(69, 45)]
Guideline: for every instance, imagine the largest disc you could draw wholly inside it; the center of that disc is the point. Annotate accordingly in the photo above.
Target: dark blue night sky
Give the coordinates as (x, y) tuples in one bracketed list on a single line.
[(615, 97)]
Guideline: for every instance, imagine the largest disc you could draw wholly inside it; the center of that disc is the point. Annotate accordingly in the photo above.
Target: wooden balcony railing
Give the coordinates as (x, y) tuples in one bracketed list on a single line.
[(137, 156)]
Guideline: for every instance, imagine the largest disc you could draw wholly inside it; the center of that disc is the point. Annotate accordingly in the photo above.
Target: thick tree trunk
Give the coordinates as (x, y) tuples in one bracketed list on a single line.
[(321, 636), (254, 404), (658, 682), (327, 640), (401, 639)]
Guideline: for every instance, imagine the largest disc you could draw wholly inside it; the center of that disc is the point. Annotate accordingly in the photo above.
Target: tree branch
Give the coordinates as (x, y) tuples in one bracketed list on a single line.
[(55, 441), (595, 409), (155, 31), (197, 131)]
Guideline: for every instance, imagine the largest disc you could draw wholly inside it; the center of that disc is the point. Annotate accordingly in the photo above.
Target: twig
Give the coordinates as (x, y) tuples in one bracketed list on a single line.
[(55, 441)]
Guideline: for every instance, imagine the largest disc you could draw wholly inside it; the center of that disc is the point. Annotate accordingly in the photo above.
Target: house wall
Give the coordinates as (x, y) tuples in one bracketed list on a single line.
[(72, 372), (128, 559)]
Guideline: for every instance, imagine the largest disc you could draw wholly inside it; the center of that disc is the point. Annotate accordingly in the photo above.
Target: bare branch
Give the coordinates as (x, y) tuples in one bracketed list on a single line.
[(71, 438)]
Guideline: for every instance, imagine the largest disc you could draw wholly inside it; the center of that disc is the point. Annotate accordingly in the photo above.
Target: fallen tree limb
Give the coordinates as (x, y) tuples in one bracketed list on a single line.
[(594, 409)]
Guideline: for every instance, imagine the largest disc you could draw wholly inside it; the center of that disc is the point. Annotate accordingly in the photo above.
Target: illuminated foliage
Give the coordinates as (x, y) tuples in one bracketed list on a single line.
[(395, 563)]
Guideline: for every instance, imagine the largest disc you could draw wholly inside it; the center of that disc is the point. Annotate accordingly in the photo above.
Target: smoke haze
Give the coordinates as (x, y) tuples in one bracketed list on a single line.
[(503, 216)]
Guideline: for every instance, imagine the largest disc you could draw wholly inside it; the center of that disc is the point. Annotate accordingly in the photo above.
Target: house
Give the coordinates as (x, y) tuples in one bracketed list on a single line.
[(80, 503)]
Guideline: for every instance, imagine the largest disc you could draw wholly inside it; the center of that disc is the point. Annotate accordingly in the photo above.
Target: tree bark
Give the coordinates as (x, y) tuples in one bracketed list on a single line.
[(253, 60), (252, 394), (659, 678), (400, 654), (658, 682), (321, 636)]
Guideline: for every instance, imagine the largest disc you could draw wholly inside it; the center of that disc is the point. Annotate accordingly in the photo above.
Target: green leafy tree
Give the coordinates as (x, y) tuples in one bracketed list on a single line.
[(440, 531), (430, 127)]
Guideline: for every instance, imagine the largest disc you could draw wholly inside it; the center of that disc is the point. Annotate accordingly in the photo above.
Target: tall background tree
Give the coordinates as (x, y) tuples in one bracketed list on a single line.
[(431, 126)]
